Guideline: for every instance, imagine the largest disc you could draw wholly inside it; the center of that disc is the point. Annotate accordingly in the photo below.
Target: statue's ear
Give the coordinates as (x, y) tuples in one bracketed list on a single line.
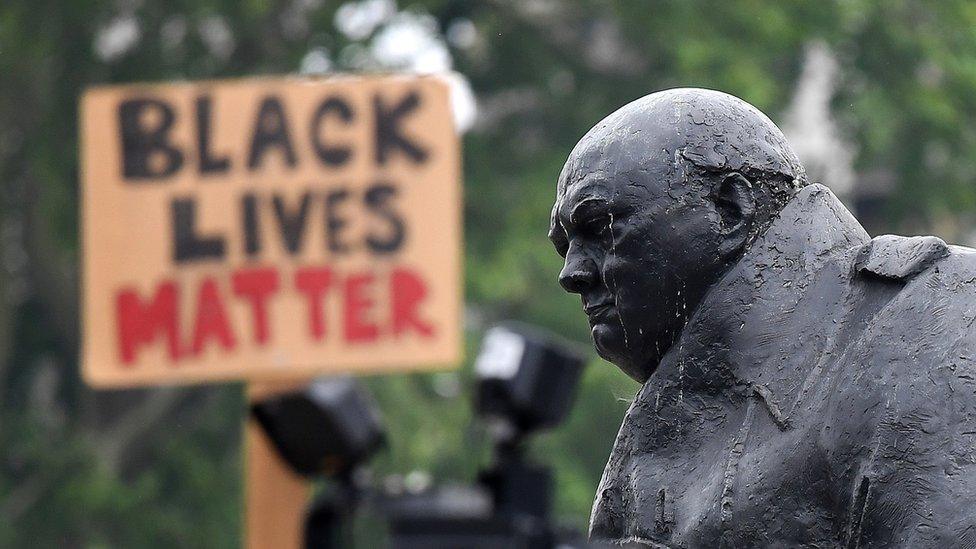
[(736, 206)]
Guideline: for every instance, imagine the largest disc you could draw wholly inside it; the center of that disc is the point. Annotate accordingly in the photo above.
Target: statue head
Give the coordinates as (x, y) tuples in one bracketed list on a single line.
[(655, 204)]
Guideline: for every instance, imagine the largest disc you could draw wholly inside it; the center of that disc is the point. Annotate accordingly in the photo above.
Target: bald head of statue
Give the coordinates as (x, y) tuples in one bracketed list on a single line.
[(655, 204)]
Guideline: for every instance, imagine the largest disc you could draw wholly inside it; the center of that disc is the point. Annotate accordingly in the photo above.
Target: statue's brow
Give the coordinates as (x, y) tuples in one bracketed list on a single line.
[(583, 204)]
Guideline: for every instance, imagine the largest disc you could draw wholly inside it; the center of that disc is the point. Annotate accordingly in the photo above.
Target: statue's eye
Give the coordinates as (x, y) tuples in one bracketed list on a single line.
[(596, 225), (591, 218)]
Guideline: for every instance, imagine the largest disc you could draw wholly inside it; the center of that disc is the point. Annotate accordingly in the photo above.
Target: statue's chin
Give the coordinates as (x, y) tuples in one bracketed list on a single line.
[(606, 341), (612, 347)]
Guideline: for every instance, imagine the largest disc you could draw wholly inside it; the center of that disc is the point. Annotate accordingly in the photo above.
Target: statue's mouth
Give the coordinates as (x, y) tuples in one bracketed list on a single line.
[(598, 310)]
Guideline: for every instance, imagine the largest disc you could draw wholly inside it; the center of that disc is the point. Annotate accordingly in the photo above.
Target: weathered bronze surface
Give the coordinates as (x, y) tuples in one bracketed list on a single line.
[(803, 383)]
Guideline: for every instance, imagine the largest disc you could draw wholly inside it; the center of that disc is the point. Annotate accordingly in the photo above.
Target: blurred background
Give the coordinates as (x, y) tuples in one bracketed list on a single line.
[(879, 99)]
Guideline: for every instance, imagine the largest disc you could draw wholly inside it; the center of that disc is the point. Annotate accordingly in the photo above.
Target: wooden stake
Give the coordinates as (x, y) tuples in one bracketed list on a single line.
[(275, 498)]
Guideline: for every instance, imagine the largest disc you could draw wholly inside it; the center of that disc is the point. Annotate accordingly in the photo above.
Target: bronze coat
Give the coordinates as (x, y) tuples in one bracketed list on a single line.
[(823, 394)]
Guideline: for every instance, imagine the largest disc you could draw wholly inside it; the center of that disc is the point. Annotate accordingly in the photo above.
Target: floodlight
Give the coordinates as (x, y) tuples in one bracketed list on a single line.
[(526, 377), (327, 428)]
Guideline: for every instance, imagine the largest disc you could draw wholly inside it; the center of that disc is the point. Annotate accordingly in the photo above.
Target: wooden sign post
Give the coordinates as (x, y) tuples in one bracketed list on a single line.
[(269, 229), (274, 496)]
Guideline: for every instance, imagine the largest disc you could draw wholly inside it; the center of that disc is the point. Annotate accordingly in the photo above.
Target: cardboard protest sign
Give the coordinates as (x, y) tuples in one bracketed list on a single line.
[(269, 228)]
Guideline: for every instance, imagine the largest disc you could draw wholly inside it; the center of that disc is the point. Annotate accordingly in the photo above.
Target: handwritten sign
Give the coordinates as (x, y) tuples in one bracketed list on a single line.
[(269, 228)]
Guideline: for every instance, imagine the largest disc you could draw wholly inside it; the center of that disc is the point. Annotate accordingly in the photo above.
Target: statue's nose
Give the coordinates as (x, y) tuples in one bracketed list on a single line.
[(578, 274)]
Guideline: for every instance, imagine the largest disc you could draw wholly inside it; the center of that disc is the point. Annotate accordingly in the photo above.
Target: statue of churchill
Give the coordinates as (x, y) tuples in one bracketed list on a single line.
[(803, 383)]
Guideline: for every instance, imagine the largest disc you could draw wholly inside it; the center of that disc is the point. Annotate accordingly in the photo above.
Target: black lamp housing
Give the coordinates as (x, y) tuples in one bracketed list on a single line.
[(327, 428), (526, 376)]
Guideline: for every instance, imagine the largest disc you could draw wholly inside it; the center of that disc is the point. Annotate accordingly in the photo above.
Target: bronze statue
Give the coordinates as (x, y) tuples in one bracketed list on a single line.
[(803, 384)]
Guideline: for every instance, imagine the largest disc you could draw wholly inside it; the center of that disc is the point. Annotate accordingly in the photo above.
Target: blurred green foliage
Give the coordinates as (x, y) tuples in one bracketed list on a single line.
[(75, 473)]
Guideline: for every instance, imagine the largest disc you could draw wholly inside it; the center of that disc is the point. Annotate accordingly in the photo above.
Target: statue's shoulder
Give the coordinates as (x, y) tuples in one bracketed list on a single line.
[(900, 257)]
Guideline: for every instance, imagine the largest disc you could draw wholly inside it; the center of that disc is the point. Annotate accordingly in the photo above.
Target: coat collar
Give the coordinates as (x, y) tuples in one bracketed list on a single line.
[(766, 322)]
